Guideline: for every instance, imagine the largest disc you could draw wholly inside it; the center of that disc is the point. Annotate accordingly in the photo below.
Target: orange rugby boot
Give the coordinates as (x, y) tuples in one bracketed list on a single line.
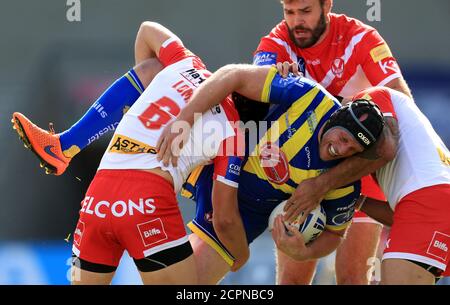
[(45, 144)]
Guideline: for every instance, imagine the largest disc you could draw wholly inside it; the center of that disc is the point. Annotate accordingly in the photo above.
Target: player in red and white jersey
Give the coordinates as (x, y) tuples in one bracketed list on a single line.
[(345, 56), (131, 204), (417, 185)]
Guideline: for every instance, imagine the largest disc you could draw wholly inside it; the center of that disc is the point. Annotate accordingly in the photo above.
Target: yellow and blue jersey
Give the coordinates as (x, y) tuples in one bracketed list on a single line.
[(288, 152), (284, 154)]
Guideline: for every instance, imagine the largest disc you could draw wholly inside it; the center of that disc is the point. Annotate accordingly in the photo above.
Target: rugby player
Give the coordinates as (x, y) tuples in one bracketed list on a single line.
[(417, 185), (345, 56), (131, 203)]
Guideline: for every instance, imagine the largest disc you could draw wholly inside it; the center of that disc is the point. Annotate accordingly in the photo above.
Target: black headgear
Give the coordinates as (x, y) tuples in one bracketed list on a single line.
[(366, 132)]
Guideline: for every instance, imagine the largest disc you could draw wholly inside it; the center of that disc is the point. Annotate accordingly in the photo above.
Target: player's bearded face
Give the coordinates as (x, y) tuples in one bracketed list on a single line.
[(304, 36)]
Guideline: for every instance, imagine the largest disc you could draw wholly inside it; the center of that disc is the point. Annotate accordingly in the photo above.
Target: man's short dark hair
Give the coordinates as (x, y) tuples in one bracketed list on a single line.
[(322, 2)]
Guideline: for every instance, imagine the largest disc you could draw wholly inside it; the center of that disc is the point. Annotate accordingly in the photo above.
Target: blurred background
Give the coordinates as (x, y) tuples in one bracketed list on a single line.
[(53, 70)]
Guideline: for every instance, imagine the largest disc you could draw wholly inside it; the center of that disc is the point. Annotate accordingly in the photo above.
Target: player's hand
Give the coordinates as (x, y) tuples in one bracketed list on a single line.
[(307, 196), (284, 68), (172, 139), (289, 240)]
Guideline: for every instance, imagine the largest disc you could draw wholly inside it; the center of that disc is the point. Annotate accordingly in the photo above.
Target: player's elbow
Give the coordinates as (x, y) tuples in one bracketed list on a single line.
[(235, 74), (228, 70), (223, 224), (225, 220)]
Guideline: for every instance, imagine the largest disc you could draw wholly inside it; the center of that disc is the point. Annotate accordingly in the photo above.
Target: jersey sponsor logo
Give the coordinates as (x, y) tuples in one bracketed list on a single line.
[(438, 246), (337, 67), (308, 156), (152, 232), (388, 66), (78, 235), (274, 163), (265, 58), (119, 208), (125, 145), (100, 109), (381, 52), (340, 219), (103, 131), (314, 62), (363, 138), (234, 169), (183, 89), (312, 121), (193, 76)]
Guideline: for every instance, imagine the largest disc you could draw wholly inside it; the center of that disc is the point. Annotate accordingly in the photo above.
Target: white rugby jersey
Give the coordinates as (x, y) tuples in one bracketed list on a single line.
[(134, 141), (422, 158)]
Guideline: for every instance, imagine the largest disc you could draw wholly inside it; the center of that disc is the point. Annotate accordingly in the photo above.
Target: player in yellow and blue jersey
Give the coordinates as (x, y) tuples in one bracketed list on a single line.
[(308, 133)]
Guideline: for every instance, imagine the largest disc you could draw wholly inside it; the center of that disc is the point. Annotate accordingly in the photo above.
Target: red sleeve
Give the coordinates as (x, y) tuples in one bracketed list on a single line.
[(378, 63), (173, 50), (370, 188), (227, 163), (381, 97)]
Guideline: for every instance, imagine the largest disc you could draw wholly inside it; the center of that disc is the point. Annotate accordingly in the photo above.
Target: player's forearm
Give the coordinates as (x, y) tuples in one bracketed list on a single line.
[(348, 171), (231, 233), (378, 210), (324, 245)]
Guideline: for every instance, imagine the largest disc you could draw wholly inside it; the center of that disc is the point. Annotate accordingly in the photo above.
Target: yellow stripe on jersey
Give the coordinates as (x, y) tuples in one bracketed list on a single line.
[(185, 193), (339, 193), (258, 171), (280, 126), (131, 80), (338, 228), (295, 144), (211, 242), (267, 84), (193, 177), (192, 180), (304, 133)]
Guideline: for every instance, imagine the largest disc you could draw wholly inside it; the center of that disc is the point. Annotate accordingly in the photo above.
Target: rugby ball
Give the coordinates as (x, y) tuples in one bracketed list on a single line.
[(310, 229)]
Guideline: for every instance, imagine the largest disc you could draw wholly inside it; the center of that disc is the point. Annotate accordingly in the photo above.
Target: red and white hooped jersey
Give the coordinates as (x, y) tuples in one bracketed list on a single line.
[(422, 158), (133, 145), (352, 56)]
